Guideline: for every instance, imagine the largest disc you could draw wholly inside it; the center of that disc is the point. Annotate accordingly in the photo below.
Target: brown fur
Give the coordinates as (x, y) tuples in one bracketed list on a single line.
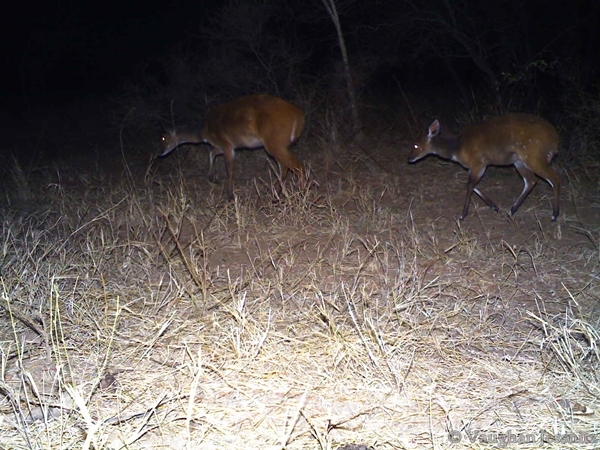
[(247, 122), (523, 140)]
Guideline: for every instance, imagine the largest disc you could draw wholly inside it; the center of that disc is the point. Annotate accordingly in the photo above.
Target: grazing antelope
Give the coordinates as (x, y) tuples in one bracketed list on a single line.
[(247, 122), (525, 141)]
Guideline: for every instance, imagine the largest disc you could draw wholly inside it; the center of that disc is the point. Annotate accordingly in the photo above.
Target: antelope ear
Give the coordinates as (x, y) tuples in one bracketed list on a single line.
[(434, 129)]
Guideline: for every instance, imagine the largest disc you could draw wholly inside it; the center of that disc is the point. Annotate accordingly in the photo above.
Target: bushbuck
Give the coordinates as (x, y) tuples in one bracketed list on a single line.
[(252, 121), (523, 140)]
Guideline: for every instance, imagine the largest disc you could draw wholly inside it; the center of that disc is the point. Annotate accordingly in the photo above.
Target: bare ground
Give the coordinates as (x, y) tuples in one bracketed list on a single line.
[(140, 310)]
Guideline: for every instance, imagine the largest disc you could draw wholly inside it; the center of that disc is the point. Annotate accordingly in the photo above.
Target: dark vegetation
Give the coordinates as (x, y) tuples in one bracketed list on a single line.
[(406, 63)]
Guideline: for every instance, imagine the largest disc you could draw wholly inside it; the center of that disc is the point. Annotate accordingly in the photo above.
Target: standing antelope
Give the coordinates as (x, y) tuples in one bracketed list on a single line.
[(525, 141), (247, 122)]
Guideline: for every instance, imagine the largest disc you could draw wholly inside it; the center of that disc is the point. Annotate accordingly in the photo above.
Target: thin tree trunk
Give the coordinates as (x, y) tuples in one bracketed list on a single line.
[(332, 11)]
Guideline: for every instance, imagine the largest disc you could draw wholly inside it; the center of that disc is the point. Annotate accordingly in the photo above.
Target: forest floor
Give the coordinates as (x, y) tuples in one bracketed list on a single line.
[(141, 310)]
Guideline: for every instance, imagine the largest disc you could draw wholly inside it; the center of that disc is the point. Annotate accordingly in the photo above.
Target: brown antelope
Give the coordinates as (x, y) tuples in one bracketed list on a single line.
[(247, 122), (525, 141)]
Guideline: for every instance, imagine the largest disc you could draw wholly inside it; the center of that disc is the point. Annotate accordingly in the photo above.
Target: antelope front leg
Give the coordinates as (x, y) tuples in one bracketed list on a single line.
[(214, 152)]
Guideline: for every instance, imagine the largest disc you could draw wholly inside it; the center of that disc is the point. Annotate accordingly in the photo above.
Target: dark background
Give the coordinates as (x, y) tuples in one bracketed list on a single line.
[(77, 69), (65, 49)]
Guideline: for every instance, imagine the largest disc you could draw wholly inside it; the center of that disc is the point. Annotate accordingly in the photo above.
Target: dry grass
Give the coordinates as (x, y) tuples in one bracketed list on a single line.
[(142, 311)]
